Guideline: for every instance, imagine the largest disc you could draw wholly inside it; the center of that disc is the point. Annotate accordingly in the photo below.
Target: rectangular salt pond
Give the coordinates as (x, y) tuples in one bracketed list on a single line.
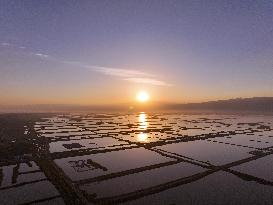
[(28, 193), (26, 173), (212, 152), (261, 168), (139, 181), (216, 188), (76, 168)]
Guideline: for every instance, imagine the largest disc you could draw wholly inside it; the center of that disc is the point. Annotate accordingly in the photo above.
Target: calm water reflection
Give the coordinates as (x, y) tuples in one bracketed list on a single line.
[(139, 159), (142, 126)]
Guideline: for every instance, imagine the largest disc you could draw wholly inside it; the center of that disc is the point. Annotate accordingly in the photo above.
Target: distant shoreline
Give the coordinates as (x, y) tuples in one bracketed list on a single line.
[(262, 105)]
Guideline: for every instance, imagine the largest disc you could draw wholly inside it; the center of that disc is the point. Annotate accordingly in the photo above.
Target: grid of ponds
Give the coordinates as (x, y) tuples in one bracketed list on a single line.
[(143, 159)]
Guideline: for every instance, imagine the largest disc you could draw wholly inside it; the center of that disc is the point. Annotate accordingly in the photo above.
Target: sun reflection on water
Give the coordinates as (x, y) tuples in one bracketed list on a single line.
[(142, 125), (142, 137)]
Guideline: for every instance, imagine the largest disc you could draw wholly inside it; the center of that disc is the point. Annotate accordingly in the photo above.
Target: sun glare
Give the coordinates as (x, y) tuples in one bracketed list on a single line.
[(143, 96)]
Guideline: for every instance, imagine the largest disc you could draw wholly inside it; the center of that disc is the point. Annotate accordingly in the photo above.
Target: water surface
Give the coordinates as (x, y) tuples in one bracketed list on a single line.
[(138, 158)]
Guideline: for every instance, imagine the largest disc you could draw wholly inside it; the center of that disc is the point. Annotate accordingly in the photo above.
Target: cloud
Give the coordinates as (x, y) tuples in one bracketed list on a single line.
[(41, 55), (150, 81), (134, 76), (126, 73), (5, 44)]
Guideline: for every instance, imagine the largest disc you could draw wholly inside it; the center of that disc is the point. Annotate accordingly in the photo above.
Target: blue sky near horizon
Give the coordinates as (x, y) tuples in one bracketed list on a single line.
[(96, 52)]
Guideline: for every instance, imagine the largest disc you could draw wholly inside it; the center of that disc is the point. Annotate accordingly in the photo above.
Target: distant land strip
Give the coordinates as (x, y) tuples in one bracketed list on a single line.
[(255, 104)]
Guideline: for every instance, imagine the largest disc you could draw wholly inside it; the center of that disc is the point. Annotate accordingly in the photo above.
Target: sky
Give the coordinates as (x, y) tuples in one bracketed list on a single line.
[(104, 52)]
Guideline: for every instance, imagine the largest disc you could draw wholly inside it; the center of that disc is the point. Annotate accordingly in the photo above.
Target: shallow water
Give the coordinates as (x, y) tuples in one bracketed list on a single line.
[(143, 159)]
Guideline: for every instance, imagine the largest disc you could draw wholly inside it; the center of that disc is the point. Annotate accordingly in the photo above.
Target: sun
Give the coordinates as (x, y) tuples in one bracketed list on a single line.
[(142, 96)]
